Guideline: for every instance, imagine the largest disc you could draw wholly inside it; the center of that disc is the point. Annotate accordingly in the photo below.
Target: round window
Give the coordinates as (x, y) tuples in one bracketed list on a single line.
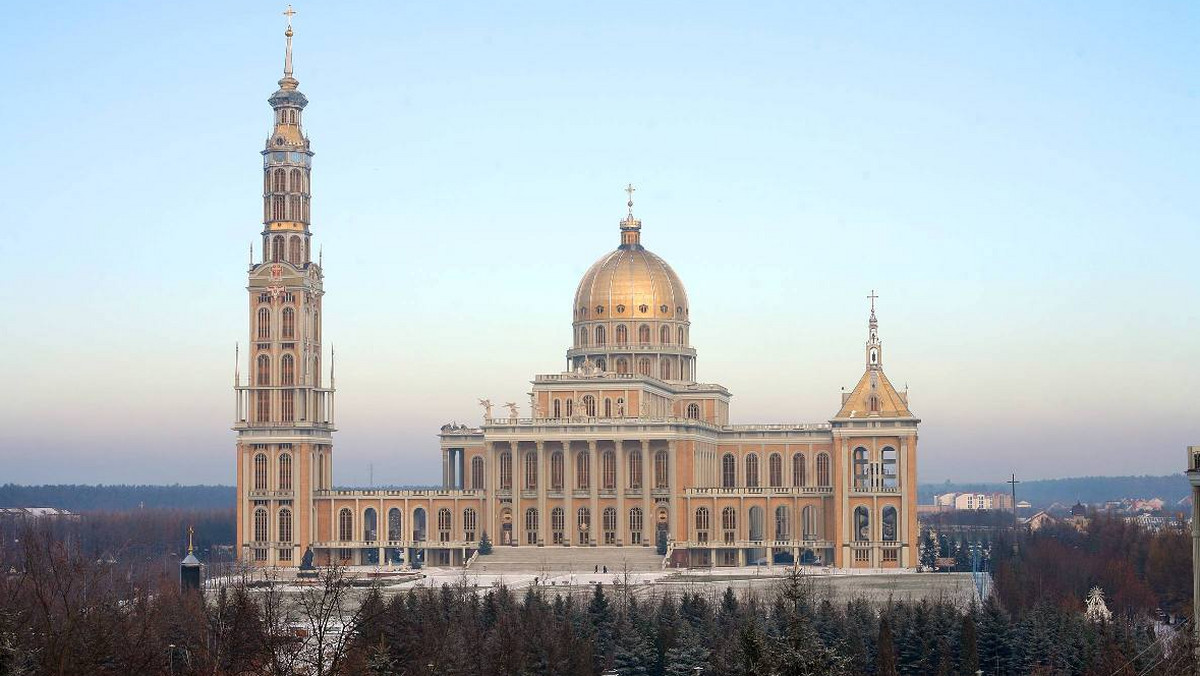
[(662, 308), (620, 308), (643, 308)]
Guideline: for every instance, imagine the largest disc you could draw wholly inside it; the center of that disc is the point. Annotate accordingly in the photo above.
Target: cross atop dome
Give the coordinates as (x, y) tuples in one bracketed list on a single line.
[(631, 228)]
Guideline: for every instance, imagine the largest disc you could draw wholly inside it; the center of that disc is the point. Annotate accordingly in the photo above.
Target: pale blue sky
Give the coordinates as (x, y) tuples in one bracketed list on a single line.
[(1018, 180)]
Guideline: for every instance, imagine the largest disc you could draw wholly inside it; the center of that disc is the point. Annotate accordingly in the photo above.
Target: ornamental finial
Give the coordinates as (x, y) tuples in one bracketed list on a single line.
[(630, 190), (287, 59), (631, 237)]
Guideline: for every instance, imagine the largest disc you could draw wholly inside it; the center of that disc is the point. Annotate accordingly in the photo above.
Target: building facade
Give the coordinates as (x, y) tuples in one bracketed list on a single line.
[(624, 448)]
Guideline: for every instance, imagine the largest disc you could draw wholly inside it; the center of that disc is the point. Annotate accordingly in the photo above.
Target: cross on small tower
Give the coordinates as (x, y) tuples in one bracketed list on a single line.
[(191, 531), (872, 298), (630, 190), (289, 13)]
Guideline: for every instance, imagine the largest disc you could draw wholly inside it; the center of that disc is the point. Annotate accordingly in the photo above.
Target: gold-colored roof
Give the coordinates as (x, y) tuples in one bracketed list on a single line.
[(858, 404), (630, 283)]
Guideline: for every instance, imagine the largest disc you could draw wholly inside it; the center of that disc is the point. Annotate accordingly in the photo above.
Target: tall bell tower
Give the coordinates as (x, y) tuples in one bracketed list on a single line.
[(284, 414)]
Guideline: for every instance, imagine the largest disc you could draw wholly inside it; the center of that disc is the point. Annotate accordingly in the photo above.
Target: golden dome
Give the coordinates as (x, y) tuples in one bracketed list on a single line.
[(630, 283)]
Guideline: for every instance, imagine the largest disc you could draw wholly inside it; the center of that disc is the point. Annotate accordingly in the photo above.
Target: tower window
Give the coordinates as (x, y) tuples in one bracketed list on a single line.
[(264, 370), (531, 470), (664, 335), (295, 249), (260, 472), (622, 334), (289, 323), (277, 241), (644, 334), (285, 472), (264, 323)]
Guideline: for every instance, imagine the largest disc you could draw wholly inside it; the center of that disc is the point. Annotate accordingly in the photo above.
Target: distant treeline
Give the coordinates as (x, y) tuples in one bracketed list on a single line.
[(1041, 493), (83, 497), (1087, 489)]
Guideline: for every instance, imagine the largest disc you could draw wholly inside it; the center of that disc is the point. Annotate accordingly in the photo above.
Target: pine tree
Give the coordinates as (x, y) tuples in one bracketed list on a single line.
[(995, 638), (485, 544), (885, 657), (688, 653), (968, 649)]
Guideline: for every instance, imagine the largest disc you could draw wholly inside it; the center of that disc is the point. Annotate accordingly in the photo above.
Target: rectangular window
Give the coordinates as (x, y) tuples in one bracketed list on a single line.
[(891, 555), (862, 555), (285, 554), (260, 554)]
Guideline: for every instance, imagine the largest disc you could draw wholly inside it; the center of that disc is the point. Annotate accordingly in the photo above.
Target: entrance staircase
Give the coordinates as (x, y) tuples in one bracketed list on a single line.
[(563, 560)]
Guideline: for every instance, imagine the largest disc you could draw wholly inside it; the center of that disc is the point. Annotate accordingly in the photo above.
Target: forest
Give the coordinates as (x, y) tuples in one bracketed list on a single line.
[(68, 611)]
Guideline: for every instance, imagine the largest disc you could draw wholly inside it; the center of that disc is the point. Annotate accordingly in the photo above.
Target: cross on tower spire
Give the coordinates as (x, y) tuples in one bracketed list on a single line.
[(630, 190), (287, 59), (631, 236)]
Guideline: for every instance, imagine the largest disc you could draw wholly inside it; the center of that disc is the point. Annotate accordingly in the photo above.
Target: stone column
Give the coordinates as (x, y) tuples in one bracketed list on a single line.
[(672, 522), (594, 487), (622, 520), (569, 526), (542, 486), (649, 523), (518, 484)]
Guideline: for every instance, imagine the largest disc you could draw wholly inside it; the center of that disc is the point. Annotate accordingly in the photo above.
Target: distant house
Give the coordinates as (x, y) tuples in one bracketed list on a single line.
[(1040, 520), (19, 513)]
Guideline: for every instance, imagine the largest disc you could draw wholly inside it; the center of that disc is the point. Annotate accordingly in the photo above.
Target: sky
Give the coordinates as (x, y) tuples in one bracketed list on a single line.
[(1018, 181)]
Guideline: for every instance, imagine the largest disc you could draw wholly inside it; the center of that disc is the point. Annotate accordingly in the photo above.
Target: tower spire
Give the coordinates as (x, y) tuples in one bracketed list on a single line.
[(287, 58), (874, 346), (631, 228)]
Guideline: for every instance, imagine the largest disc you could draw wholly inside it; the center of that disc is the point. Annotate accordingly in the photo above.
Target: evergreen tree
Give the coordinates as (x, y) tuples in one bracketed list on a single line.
[(885, 660), (995, 638), (634, 654), (968, 648), (929, 549), (485, 544), (688, 653)]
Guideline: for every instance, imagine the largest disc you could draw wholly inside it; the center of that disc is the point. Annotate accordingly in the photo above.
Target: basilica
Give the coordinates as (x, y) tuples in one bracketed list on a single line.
[(623, 449)]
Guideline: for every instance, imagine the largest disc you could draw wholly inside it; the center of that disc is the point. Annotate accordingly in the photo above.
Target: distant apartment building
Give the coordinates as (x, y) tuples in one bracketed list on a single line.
[(974, 501)]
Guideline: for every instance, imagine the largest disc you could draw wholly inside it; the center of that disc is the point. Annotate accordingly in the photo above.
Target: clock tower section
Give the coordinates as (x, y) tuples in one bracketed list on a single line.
[(284, 415)]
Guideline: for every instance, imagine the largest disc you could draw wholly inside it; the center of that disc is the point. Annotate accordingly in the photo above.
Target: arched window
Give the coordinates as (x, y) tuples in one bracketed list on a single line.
[(729, 519), (693, 411), (756, 523), (370, 525), (260, 525), (643, 334), (601, 339), (660, 470), (873, 403), (505, 470), (601, 365), (289, 323), (285, 472), (260, 472), (862, 524), (664, 335), (558, 524), (395, 530), (264, 370), (783, 528), (280, 184), (316, 327), (888, 522), (608, 470), (681, 341), (531, 526), (345, 525), (295, 248), (635, 469), (293, 207), (607, 407), (703, 518), (531, 470), (556, 471), (285, 525), (728, 471), (296, 185), (557, 409), (419, 519), (808, 518), (589, 405), (287, 405), (635, 525), (277, 241), (570, 408), (622, 365), (622, 334), (608, 520), (583, 336), (477, 473), (277, 214), (445, 523), (287, 370), (891, 477), (775, 470), (264, 323), (823, 470), (644, 366), (583, 523), (664, 369), (582, 471), (798, 477), (752, 470), (861, 469), (470, 523)]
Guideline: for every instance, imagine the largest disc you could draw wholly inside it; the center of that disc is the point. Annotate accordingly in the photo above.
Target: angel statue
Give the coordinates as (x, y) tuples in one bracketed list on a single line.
[(512, 410), (487, 408)]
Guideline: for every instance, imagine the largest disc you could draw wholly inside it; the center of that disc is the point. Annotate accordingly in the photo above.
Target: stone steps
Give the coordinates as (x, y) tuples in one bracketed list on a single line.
[(558, 560)]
